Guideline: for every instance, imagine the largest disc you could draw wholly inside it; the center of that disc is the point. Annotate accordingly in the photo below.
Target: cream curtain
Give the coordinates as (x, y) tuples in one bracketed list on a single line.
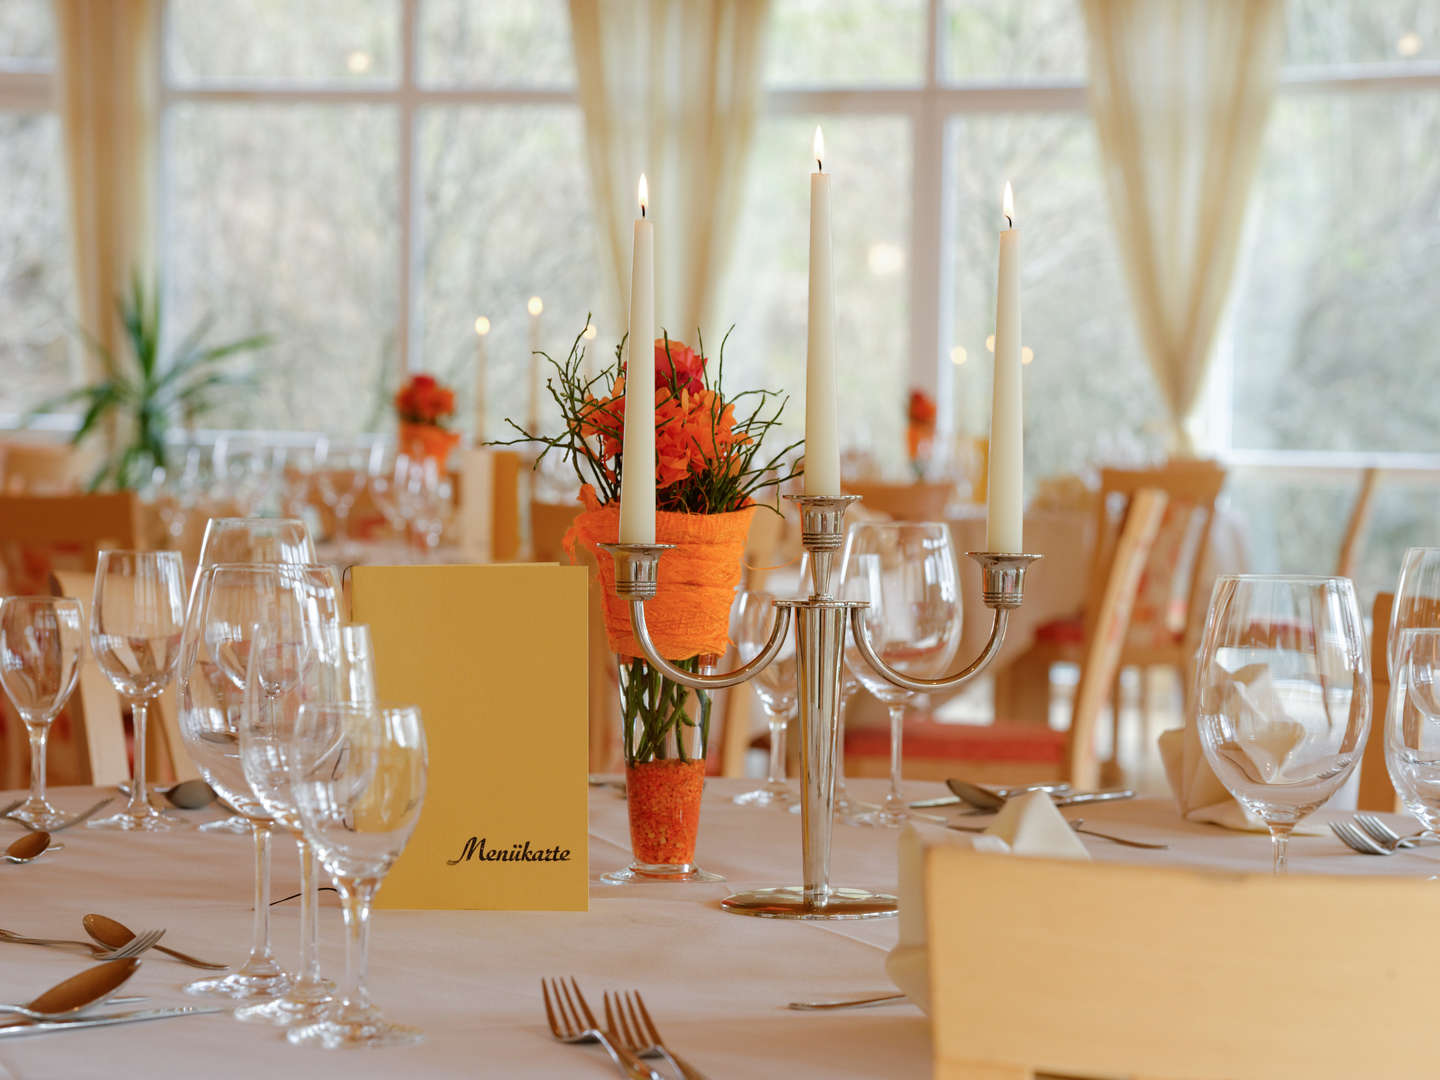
[(1180, 91), (108, 104), (670, 88)]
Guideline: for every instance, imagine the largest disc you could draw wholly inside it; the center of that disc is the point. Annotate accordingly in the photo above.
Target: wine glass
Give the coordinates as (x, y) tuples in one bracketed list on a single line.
[(298, 657), (246, 540), (41, 639), (1412, 726), (753, 617), (341, 473), (358, 775), (211, 696), (905, 572), (1283, 693), (137, 621), (270, 628), (1417, 599)]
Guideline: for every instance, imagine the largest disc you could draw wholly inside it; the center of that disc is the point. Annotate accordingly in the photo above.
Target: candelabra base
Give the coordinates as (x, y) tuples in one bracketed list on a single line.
[(789, 902)]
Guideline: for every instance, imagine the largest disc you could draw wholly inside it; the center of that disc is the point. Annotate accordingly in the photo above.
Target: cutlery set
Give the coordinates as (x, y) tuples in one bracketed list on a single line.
[(629, 1033), (1369, 835)]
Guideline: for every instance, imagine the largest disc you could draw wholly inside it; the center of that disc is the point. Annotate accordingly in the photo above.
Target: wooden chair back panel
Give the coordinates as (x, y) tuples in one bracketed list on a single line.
[(1360, 512), (40, 533), (905, 502), (1165, 973), (39, 468), (549, 522), (1376, 790), (1105, 632), (97, 737)]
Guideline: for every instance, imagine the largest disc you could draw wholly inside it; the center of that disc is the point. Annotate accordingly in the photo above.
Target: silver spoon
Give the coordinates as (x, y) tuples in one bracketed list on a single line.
[(115, 935), (186, 795), (79, 992), (28, 848)]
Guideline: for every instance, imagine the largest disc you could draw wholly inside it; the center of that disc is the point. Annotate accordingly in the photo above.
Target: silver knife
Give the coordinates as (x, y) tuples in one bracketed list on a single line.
[(41, 1027)]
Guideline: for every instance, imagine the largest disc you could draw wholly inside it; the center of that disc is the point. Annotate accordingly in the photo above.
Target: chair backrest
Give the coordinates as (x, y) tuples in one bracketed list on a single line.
[(1107, 623), (1376, 790), (905, 502), (96, 740), (1192, 486), (549, 522), (1162, 973), (1353, 543), (28, 468), (40, 533)]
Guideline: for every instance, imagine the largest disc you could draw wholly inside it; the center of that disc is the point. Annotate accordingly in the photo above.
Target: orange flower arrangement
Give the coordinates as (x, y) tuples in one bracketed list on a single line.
[(423, 405), (920, 415)]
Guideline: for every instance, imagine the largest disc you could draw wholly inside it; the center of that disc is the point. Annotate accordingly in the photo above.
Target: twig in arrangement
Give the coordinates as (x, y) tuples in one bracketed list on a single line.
[(296, 896)]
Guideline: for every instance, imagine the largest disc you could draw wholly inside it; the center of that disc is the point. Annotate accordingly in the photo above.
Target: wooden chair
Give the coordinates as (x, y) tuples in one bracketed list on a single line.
[(1008, 751), (40, 533), (35, 468), (1172, 591), (905, 502), (549, 522), (1360, 513), (1376, 790), (1090, 969)]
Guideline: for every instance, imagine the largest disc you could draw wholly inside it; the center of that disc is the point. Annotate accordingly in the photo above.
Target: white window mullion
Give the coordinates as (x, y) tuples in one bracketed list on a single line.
[(407, 327), (926, 240)]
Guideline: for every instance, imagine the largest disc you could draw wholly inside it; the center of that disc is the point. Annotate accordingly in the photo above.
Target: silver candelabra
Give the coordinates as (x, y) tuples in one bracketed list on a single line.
[(819, 651)]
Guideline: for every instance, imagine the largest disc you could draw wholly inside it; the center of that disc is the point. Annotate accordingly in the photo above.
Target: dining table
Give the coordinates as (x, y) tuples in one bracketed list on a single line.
[(716, 984)]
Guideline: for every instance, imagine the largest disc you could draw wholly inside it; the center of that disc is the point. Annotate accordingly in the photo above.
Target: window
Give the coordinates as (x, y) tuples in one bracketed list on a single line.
[(364, 200), (928, 108), (35, 283)]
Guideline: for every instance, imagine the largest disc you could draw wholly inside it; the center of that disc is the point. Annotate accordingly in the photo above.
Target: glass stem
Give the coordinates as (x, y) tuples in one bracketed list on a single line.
[(260, 930), (897, 727), (355, 896), (1280, 846), (38, 734), (776, 776), (309, 914), (139, 803)]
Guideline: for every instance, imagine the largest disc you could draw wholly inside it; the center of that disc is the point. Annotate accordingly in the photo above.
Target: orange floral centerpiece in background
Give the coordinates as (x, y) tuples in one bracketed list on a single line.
[(423, 405), (709, 467), (920, 416)]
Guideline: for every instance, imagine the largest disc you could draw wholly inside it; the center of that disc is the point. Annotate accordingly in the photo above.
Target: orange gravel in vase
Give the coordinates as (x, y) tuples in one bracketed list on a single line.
[(664, 799)]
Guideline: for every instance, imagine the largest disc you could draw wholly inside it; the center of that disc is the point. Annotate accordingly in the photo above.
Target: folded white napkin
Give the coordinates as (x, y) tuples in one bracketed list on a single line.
[(1250, 698), (1028, 825)]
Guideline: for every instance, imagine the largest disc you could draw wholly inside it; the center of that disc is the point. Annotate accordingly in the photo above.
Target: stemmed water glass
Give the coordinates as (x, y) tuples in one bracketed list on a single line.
[(753, 616), (1412, 726), (905, 572), (358, 775), (1417, 599), (342, 474), (1283, 693), (211, 695), (41, 639), (137, 621)]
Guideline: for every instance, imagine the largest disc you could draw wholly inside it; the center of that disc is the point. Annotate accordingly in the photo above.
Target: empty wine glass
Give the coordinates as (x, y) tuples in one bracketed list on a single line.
[(341, 473), (1283, 694), (288, 649), (211, 697), (137, 621), (905, 572), (41, 639), (751, 622), (1412, 726), (358, 774), (247, 540), (1417, 599)]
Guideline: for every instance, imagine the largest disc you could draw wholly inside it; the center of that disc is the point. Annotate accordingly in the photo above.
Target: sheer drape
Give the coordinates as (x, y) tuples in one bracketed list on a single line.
[(1180, 92), (670, 88), (108, 103)]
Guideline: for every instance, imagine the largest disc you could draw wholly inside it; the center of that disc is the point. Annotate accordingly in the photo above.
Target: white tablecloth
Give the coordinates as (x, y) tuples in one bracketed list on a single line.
[(716, 983)]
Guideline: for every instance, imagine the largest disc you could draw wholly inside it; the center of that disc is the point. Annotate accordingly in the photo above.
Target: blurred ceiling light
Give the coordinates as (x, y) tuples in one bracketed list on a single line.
[(358, 62), (1027, 354), (958, 355), (1409, 44), (535, 306), (990, 343), (482, 326), (885, 259)]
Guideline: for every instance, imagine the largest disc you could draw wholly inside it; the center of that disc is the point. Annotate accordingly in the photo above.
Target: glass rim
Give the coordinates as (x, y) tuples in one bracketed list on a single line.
[(210, 568), (1305, 579), (278, 520), (33, 597), (378, 707), (104, 552)]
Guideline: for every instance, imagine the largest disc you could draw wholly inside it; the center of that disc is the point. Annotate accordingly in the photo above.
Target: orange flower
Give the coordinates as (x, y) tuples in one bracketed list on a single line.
[(680, 367), (922, 409), (423, 400)]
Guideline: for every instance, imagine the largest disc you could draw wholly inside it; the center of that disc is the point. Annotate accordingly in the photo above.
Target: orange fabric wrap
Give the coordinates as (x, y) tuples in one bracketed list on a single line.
[(691, 613)]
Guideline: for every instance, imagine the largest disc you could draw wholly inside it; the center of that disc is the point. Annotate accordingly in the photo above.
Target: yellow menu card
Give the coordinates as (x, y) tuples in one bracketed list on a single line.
[(495, 656)]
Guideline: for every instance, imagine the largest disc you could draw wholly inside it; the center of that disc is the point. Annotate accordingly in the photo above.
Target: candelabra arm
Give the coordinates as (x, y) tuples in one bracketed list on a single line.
[(762, 660), (915, 682)]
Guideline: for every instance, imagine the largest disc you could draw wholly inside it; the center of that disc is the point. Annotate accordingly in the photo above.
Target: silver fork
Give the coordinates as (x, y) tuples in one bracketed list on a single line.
[(76, 820), (1358, 840), (641, 1036), (1386, 835), (134, 947), (571, 1021)]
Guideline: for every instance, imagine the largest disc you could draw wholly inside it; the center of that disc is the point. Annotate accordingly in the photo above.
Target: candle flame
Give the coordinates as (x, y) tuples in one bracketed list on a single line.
[(535, 306), (990, 342), (1007, 206), (644, 194), (819, 148), (482, 326), (590, 333), (1027, 355), (958, 355)]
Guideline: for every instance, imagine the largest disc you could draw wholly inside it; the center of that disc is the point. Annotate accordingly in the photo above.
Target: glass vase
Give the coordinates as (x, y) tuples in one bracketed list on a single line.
[(666, 728)]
